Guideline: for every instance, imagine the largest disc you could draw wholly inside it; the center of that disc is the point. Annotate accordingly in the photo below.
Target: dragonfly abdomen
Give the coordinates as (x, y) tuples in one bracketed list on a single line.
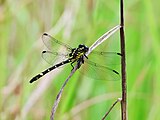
[(48, 70)]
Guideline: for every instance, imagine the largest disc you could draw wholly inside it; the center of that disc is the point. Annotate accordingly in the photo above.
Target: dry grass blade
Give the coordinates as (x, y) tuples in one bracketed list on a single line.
[(118, 100)]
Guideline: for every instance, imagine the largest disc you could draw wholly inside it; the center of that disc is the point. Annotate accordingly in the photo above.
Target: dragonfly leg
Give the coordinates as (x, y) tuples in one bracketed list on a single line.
[(85, 56), (80, 60), (72, 64)]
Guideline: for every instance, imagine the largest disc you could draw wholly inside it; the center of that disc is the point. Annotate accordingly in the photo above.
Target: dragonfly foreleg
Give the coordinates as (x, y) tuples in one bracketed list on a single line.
[(85, 56), (72, 64)]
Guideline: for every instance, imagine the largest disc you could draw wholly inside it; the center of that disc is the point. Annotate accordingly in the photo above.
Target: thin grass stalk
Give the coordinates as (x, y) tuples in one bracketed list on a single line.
[(123, 65)]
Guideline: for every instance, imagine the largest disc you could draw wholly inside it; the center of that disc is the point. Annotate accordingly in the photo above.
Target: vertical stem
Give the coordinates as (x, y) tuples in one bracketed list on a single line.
[(123, 65)]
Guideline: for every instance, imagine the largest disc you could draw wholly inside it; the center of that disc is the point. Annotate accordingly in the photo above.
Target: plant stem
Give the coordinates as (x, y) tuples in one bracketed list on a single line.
[(123, 65)]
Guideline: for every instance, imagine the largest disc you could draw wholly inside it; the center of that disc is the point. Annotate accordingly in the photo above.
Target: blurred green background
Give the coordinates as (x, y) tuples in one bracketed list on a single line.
[(22, 22)]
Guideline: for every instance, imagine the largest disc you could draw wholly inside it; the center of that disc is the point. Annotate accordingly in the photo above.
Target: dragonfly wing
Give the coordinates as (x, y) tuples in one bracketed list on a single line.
[(106, 58), (51, 57), (53, 44), (105, 53), (99, 72)]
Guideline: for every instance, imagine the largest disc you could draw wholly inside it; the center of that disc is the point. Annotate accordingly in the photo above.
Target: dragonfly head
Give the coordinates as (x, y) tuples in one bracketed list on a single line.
[(83, 48)]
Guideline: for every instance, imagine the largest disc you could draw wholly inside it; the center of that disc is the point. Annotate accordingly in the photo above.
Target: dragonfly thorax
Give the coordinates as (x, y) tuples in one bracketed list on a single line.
[(78, 52)]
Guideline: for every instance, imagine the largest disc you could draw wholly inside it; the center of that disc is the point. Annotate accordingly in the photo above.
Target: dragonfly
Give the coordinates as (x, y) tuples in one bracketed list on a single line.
[(72, 56)]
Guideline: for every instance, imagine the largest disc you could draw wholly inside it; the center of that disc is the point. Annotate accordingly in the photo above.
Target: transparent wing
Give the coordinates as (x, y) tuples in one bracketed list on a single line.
[(99, 72), (51, 57), (106, 54), (105, 58), (54, 45), (102, 65)]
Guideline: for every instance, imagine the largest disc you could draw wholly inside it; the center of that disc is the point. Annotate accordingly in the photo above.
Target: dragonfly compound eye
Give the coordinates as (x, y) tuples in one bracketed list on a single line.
[(81, 46), (85, 48)]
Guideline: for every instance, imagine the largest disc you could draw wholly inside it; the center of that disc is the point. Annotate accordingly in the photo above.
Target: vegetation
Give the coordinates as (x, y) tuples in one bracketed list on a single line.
[(73, 21)]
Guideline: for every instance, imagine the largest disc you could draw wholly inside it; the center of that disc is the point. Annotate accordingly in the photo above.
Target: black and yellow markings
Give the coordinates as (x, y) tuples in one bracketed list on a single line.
[(74, 56), (48, 70), (41, 74)]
